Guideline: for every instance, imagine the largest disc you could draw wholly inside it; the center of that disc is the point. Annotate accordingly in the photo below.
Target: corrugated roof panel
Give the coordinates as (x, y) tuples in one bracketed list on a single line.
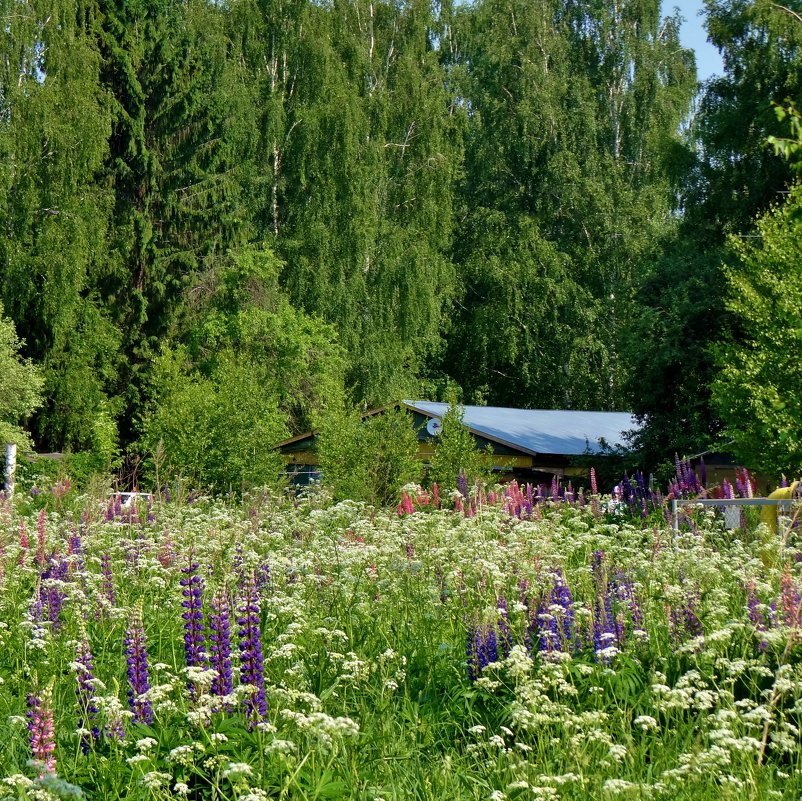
[(546, 431)]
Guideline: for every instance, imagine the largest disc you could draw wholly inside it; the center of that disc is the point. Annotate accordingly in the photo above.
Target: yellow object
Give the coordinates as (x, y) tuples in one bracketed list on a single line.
[(768, 514)]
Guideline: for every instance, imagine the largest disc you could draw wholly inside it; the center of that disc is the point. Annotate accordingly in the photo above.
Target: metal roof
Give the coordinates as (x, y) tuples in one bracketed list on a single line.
[(541, 431)]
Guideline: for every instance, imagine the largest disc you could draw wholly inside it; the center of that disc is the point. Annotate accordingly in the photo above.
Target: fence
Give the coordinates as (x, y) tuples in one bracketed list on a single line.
[(727, 504)]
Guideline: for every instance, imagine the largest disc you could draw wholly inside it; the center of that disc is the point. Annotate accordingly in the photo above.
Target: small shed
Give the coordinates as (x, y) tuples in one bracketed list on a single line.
[(530, 443)]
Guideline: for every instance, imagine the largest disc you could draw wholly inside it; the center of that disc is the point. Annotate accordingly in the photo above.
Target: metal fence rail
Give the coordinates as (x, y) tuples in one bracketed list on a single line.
[(724, 503)]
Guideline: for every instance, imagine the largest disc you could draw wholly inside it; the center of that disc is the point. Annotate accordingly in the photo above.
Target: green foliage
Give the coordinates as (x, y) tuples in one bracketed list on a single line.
[(456, 453), (214, 430), (102, 454), (566, 192), (254, 370), (789, 147), (738, 176), (483, 194), (237, 305), (499, 350), (758, 390), (667, 349), (53, 211), (20, 386), (725, 176), (368, 458)]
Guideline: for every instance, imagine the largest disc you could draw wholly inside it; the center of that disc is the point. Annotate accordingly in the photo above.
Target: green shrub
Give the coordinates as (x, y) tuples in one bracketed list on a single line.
[(456, 452), (368, 459)]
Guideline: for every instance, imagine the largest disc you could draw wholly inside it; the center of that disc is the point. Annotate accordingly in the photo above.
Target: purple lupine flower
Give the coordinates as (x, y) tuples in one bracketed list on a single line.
[(42, 729), (52, 578), (263, 579), (626, 591), (85, 691), (596, 560), (561, 596), (692, 623), (488, 652), (482, 648), (548, 628), (462, 483), (594, 490), (108, 578), (194, 639), (220, 638), (605, 633), (136, 656), (756, 615), (75, 548), (113, 728), (683, 620), (604, 628), (250, 645), (36, 609), (238, 563)]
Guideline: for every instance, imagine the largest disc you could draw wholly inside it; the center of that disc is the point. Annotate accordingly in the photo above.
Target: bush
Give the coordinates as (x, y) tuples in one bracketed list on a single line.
[(214, 431), (370, 459), (456, 453), (20, 386)]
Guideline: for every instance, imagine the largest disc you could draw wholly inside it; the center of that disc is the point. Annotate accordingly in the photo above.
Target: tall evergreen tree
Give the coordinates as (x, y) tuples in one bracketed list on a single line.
[(175, 151)]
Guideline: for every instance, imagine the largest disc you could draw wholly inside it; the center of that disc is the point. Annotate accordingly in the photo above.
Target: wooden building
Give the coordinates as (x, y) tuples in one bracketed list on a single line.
[(529, 444)]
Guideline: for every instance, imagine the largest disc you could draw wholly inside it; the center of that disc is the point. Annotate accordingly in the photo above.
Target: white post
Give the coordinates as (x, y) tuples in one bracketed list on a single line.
[(11, 468)]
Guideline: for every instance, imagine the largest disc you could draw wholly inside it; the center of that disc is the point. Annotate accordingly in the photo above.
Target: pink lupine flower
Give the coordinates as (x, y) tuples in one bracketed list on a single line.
[(42, 729), (40, 540)]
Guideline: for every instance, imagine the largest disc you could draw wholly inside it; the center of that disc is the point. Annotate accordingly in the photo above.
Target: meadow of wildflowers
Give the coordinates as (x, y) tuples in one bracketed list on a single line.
[(522, 643)]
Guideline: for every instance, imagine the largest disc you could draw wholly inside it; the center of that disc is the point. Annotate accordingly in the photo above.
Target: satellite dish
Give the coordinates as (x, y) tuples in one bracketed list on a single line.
[(434, 426)]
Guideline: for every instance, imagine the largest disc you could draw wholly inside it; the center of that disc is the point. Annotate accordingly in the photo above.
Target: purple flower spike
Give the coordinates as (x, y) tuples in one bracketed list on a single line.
[(483, 648), (194, 639), (462, 484), (220, 636), (85, 691), (250, 646), (136, 655), (52, 578)]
